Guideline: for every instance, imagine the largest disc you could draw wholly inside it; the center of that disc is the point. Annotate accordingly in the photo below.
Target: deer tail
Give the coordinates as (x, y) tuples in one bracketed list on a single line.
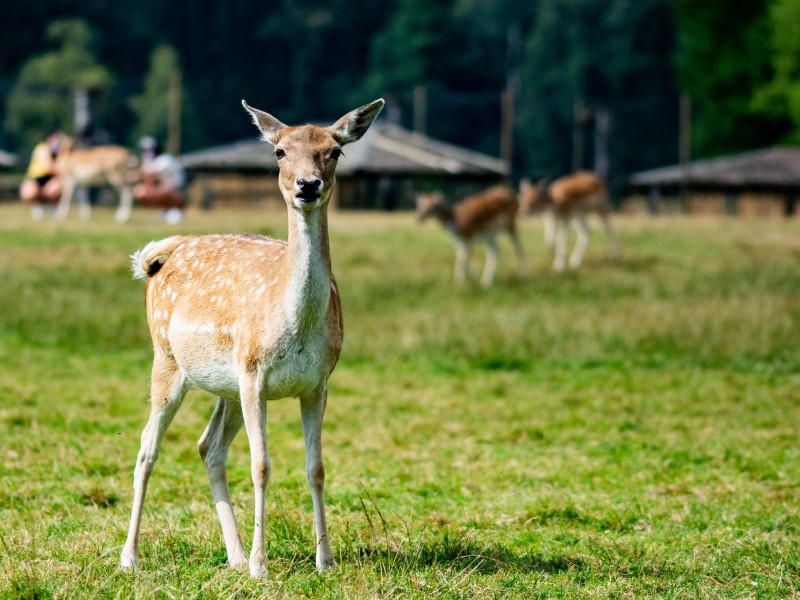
[(149, 260)]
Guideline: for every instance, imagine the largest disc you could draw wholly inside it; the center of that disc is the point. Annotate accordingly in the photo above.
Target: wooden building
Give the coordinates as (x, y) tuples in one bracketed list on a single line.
[(762, 183), (381, 171)]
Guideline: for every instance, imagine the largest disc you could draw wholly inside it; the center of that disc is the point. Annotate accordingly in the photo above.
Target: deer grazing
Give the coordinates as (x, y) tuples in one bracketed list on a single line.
[(477, 218), (250, 319), (100, 165), (568, 200)]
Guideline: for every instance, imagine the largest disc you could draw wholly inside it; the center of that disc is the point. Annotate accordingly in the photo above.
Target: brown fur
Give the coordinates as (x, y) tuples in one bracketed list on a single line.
[(568, 200), (250, 319), (100, 165), (478, 217), (581, 192)]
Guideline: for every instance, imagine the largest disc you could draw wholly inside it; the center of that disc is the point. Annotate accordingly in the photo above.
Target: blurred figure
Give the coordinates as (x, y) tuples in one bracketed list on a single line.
[(567, 201), (477, 218), (41, 184), (163, 181)]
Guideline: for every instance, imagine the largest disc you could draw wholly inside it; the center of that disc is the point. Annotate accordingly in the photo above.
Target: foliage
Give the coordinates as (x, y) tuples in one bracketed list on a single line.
[(319, 58), (152, 106), (723, 55), (42, 98), (781, 95), (628, 430), (614, 57)]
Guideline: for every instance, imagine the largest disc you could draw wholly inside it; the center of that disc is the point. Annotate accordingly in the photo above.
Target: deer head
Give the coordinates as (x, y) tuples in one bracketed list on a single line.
[(307, 155)]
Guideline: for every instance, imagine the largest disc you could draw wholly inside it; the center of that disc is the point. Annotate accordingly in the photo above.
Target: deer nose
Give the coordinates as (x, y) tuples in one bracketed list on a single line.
[(308, 186)]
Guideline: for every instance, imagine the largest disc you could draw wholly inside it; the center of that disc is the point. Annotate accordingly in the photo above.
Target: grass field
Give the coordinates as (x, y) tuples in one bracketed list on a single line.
[(627, 431)]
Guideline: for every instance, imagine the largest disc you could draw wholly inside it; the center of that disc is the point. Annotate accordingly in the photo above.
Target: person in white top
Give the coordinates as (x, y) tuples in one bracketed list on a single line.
[(163, 181)]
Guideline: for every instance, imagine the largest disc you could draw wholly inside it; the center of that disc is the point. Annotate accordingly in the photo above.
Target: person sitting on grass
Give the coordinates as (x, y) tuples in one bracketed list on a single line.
[(41, 185), (163, 181)]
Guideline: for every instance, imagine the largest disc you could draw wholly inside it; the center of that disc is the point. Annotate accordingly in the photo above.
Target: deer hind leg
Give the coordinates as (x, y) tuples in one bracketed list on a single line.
[(461, 271), (312, 409), (561, 235), (225, 423), (519, 251), (84, 206), (576, 258), (168, 388), (254, 411), (66, 198), (490, 267)]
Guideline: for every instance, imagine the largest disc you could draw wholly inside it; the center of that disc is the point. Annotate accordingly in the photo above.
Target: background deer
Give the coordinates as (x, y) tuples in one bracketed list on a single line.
[(250, 319), (100, 165), (477, 218), (568, 200)]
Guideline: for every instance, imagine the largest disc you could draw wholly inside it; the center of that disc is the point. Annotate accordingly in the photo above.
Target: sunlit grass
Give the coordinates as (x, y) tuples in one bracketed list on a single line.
[(629, 430)]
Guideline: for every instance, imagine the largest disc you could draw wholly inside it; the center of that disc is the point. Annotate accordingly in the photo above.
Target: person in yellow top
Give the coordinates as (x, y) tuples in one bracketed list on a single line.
[(41, 184)]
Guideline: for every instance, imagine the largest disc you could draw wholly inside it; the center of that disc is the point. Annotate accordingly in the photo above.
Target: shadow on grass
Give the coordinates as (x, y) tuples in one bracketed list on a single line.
[(460, 553)]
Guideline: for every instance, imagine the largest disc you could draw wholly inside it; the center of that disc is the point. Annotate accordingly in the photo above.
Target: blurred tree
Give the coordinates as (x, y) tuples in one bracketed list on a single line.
[(42, 98), (418, 47), (780, 97), (723, 55), (152, 106), (587, 60)]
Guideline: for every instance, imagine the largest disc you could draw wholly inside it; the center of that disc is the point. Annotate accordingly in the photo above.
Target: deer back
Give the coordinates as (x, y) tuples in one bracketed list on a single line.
[(492, 210)]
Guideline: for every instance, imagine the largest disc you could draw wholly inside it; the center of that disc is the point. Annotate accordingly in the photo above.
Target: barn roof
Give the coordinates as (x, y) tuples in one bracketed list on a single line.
[(771, 167), (7, 159), (385, 149)]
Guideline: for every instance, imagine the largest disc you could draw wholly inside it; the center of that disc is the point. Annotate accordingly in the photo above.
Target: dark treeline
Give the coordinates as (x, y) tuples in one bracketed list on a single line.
[(590, 79)]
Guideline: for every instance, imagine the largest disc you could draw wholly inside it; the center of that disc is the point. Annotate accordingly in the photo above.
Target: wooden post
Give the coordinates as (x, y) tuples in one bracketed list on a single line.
[(602, 131), (685, 148), (175, 101), (578, 117), (421, 109), (507, 127)]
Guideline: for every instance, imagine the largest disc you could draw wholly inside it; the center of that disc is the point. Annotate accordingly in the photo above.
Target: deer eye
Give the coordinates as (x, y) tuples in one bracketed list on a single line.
[(279, 153), (336, 153)]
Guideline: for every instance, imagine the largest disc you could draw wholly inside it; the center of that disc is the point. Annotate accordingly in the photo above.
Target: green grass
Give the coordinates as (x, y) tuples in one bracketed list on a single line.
[(626, 431)]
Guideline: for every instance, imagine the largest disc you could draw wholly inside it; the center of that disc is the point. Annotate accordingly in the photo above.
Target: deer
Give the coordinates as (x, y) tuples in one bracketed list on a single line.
[(568, 200), (99, 165), (477, 218), (250, 319)]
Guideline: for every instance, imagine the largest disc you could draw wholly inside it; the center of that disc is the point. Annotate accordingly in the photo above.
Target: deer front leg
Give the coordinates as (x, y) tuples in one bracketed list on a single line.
[(254, 411), (490, 267), (561, 237), (312, 409), (225, 423), (549, 228), (576, 258), (168, 389), (125, 204), (66, 198)]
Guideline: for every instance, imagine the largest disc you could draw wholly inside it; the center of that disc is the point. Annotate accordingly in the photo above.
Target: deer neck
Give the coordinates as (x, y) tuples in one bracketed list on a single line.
[(309, 274)]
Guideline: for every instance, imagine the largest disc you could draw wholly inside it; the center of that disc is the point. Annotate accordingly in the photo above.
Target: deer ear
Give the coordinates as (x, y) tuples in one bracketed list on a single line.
[(355, 124), (266, 123)]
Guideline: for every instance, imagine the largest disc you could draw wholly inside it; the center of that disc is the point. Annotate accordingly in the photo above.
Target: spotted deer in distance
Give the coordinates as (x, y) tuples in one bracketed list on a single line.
[(99, 165), (477, 218), (568, 200), (250, 319)]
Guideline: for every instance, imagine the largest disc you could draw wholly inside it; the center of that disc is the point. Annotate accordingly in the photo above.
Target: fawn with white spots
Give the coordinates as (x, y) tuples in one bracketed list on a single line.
[(250, 319), (568, 200), (477, 218), (100, 165)]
